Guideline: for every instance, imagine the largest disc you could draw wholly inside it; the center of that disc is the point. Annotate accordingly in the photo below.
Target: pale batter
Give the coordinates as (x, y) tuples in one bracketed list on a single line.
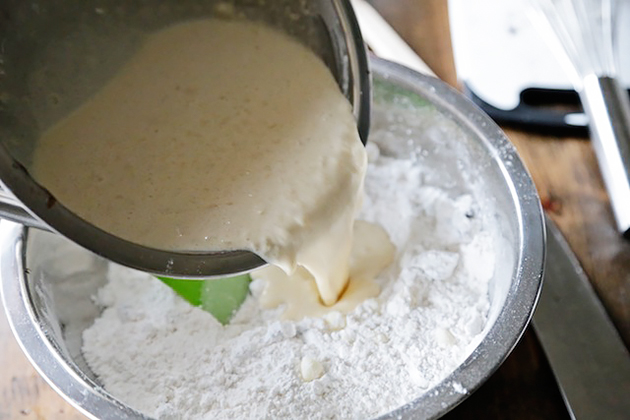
[(217, 135), (372, 251)]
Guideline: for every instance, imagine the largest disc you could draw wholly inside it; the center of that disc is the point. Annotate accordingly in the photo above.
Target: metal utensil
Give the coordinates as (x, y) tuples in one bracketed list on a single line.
[(55, 54), (586, 354), (583, 35)]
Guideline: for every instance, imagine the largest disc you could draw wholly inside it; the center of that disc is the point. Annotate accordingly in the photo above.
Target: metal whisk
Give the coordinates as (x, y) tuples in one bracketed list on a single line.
[(583, 34)]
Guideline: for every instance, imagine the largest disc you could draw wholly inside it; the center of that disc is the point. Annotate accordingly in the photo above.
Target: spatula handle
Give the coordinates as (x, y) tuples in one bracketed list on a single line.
[(11, 209)]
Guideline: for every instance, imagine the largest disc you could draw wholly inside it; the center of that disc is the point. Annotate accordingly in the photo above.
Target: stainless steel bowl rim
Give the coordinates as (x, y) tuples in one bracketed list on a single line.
[(501, 338)]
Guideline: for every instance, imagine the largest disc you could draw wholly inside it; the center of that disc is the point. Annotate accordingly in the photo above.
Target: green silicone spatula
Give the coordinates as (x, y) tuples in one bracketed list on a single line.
[(220, 297)]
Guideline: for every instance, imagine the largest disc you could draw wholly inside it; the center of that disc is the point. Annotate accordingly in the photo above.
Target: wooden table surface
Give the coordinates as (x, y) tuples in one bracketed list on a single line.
[(566, 174)]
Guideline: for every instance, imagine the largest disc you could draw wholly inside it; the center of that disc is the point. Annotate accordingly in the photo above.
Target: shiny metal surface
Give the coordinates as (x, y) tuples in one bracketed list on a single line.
[(607, 105), (584, 37), (56, 53), (586, 353), (443, 124)]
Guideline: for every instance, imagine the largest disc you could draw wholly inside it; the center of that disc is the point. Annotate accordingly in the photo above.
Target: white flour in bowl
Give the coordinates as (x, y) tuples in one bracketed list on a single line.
[(158, 354)]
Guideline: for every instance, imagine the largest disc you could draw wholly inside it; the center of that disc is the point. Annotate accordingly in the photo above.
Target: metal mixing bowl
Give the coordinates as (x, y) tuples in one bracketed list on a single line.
[(55, 54), (424, 118)]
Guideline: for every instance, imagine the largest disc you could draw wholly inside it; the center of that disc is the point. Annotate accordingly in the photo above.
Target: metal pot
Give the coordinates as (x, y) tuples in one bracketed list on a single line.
[(55, 54), (457, 131)]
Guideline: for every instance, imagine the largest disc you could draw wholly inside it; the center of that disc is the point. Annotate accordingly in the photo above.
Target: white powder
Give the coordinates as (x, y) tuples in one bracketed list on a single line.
[(158, 354)]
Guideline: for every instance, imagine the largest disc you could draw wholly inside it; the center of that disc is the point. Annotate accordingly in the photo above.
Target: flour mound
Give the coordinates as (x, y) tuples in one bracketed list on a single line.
[(161, 356)]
